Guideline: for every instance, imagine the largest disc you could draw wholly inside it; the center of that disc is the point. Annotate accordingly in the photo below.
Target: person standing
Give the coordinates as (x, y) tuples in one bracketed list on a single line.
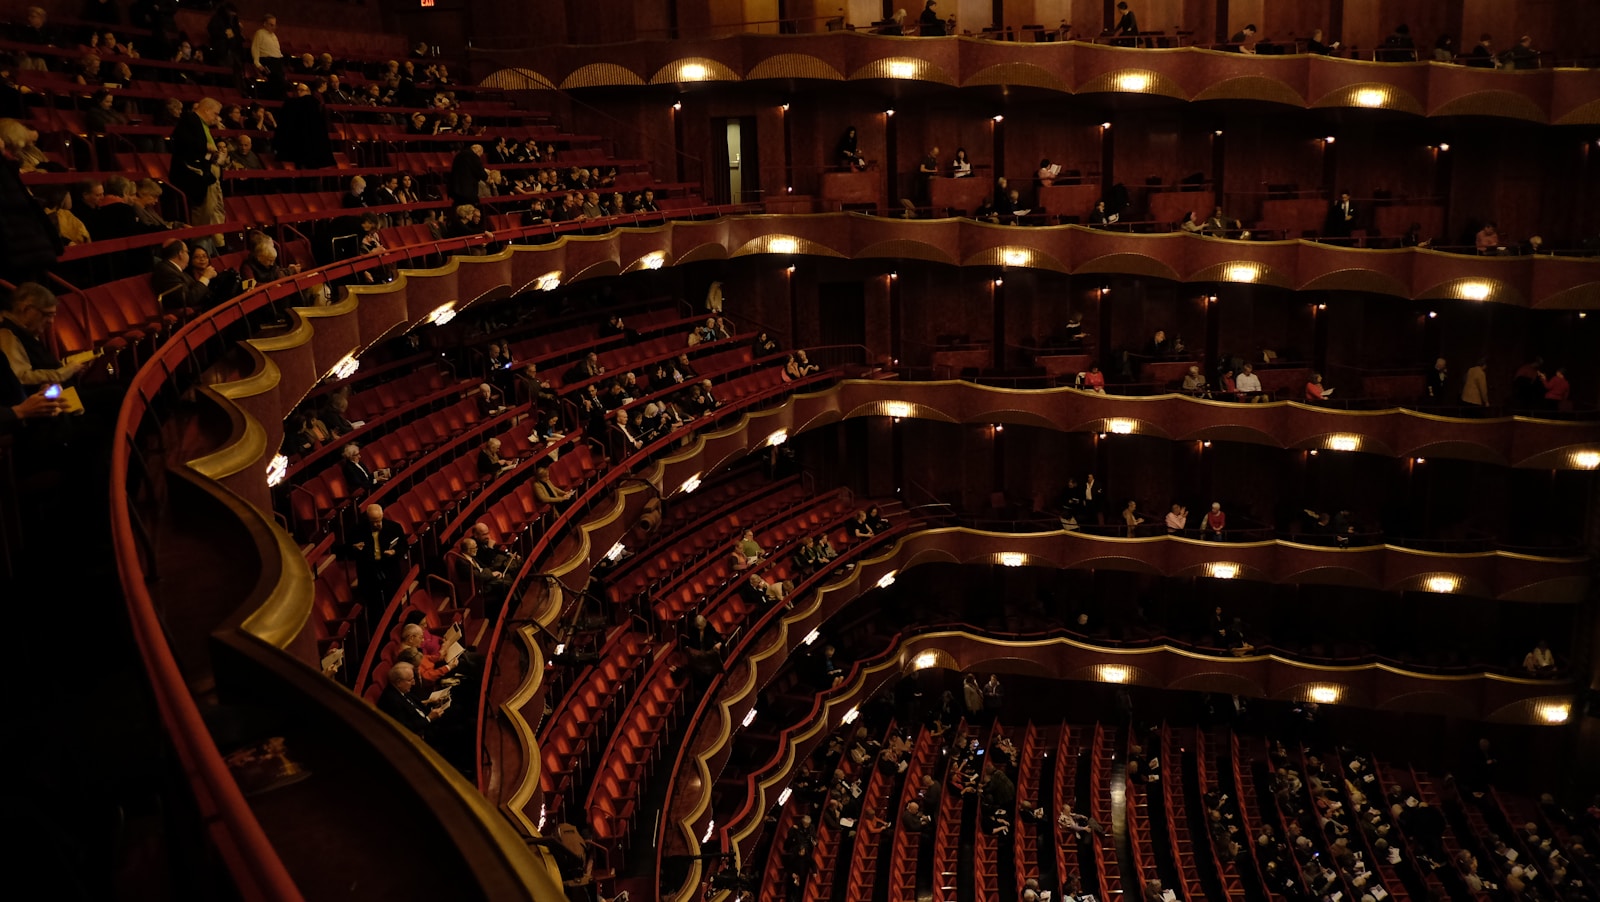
[(929, 23), (466, 171), (1341, 217), (197, 161), (972, 695), (1475, 389), (993, 696), (266, 53)]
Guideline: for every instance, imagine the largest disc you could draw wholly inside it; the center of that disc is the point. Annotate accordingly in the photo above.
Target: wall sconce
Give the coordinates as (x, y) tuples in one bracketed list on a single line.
[(443, 313), (1133, 81), (1443, 584), (1222, 570), (784, 107), (1475, 291), (999, 281), (1015, 257), (677, 104), (550, 281), (897, 409), (277, 469), (690, 484), (1105, 126), (998, 118), (1328, 140), (777, 438), (349, 363), (1344, 442), (1324, 695), (889, 113), (1012, 559), (1586, 460), (902, 70), (1113, 673), (887, 579), (653, 260), (783, 797), (1433, 314), (692, 71), (850, 716), (812, 637), (783, 246), (1121, 426), (1371, 97), (1444, 147), (925, 660)]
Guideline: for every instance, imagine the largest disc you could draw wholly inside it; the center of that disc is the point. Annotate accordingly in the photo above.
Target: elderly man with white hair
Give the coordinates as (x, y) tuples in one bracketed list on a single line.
[(399, 700), (378, 547)]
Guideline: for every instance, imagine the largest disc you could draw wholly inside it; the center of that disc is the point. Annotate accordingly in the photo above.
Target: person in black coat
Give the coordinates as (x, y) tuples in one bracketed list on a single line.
[(399, 702), (378, 547), (172, 283), (194, 150), (302, 136), (466, 171), (29, 243)]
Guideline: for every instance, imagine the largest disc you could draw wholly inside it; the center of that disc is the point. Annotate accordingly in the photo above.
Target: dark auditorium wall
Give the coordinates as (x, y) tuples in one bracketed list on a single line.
[(1565, 27)]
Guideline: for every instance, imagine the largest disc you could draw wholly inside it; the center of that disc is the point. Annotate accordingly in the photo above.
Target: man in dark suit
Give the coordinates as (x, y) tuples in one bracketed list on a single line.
[(399, 702), (1483, 55), (172, 283), (357, 475), (1341, 217), (194, 151), (1127, 27), (378, 547), (466, 171)]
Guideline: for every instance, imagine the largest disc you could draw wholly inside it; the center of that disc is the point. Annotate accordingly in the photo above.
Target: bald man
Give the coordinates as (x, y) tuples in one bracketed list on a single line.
[(378, 547)]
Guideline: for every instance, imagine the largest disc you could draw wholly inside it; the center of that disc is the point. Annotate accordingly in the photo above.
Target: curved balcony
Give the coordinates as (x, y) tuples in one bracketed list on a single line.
[(264, 638), (766, 645), (1189, 74)]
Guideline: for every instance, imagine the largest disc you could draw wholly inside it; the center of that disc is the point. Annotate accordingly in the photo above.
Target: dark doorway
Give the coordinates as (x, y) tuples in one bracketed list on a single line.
[(737, 158), (842, 313)]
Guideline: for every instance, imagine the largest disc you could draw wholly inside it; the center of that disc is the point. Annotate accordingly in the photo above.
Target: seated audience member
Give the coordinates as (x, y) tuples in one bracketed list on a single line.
[(490, 403), (1488, 240), (805, 557), (1314, 389), (1521, 55), (57, 203), (1100, 216), (1047, 173), (1159, 345), (1195, 384), (1482, 55), (1557, 389), (147, 205), (490, 555), (1398, 47), (1317, 46), (1131, 518), (1243, 40), (764, 590), (1540, 662), (244, 154), (1249, 385), (356, 473), (748, 552), (489, 583), (23, 335), (1189, 224), (1177, 519), (399, 701), (804, 364), (913, 819), (1216, 521), (173, 284), (791, 369), (1094, 380), (1219, 223), (547, 492), (490, 463), (859, 528), (876, 520), (765, 345)]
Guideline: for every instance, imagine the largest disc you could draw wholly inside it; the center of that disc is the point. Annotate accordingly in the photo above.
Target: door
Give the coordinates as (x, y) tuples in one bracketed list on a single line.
[(736, 160)]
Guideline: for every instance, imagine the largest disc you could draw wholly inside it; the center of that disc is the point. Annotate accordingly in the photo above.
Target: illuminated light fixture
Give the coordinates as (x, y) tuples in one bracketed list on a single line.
[(346, 367), (925, 660), (1113, 673), (1206, 443), (998, 118), (1313, 452), (1555, 713), (1370, 97), (1322, 306), (999, 427), (1133, 81), (711, 827), (1104, 126), (1223, 570), (677, 104), (784, 107), (750, 717), (887, 579), (550, 281), (1120, 426), (850, 716), (1433, 314), (1218, 133), (1475, 291), (1344, 442), (616, 551), (998, 282), (541, 817), (790, 270), (1323, 695), (902, 69), (277, 469), (897, 409), (1586, 460), (895, 276), (783, 797), (1443, 585), (1328, 140), (692, 71), (1012, 559), (1242, 272), (783, 246), (778, 438), (812, 636), (561, 648), (690, 484), (889, 113), (1444, 147), (1015, 257), (1583, 316), (653, 260), (1420, 460), (443, 313)]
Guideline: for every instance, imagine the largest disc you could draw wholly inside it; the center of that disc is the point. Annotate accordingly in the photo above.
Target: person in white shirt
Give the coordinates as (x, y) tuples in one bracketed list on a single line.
[(1540, 662), (267, 54), (1249, 385)]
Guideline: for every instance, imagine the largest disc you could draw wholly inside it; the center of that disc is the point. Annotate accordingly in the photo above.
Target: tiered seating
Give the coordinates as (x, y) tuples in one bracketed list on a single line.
[(947, 837), (1177, 854), (1024, 833), (876, 803), (985, 847), (1102, 753), (907, 845), (830, 843), (1207, 780), (1069, 854), (571, 740), (1138, 813)]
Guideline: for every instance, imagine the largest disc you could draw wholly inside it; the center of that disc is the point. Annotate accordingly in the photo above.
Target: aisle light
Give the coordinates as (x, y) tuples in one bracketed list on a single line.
[(850, 716), (277, 469), (750, 717), (811, 637), (690, 484), (783, 797), (349, 363), (887, 579)]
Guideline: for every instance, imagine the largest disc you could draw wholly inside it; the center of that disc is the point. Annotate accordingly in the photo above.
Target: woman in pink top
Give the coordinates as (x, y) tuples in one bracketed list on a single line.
[(1094, 380), (1314, 389), (1557, 388)]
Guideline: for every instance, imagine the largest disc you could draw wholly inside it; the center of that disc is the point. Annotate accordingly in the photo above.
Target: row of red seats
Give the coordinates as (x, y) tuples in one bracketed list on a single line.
[(381, 407), (569, 744), (520, 509), (438, 612), (1024, 834), (1206, 764), (1071, 856), (907, 844), (985, 847), (947, 835), (579, 339), (1103, 749), (703, 538), (876, 802)]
